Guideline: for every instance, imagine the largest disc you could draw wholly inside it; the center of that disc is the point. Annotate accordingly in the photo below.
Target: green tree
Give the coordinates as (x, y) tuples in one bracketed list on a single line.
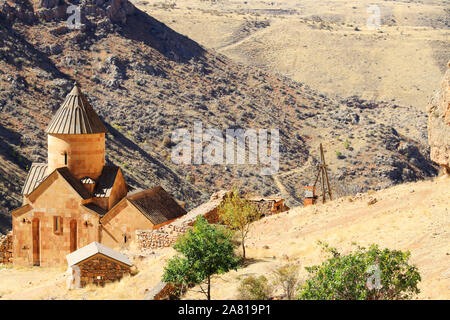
[(204, 250), (366, 274), (252, 288), (237, 213)]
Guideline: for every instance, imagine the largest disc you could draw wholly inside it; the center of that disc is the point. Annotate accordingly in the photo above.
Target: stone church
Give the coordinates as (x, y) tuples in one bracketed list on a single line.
[(75, 198)]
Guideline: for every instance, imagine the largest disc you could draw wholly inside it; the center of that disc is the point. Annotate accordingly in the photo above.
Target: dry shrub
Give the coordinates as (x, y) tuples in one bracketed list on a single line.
[(287, 277), (252, 288)]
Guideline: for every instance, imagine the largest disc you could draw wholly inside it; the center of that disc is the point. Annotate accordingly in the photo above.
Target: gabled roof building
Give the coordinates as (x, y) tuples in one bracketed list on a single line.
[(76, 199)]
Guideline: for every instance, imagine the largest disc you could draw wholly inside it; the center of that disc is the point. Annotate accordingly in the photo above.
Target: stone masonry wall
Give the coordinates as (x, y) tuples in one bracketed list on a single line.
[(162, 291), (100, 271), (167, 235), (160, 238), (6, 255)]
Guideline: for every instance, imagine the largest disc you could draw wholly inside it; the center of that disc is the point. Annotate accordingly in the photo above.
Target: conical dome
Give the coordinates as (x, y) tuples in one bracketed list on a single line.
[(76, 116)]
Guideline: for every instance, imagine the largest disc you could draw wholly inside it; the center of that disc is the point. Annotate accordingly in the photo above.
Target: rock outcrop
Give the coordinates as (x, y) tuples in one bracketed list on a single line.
[(116, 11), (439, 124), (92, 12)]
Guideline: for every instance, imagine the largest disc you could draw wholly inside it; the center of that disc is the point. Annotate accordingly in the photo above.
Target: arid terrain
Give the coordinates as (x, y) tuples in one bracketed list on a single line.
[(146, 80), (312, 69), (325, 44), (411, 216)]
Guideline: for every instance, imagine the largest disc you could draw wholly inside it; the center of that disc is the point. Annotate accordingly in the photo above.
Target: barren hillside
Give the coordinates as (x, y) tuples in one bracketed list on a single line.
[(411, 216), (326, 44), (146, 80)]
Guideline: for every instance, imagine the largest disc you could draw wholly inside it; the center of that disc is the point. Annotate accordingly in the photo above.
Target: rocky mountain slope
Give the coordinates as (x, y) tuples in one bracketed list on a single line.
[(146, 80)]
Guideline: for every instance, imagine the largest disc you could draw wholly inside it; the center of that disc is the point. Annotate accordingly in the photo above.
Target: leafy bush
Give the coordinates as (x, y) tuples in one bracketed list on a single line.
[(366, 274), (252, 288)]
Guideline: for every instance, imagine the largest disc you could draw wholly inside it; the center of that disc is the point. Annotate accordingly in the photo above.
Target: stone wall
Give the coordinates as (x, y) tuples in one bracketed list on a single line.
[(57, 200), (162, 291), (264, 207), (161, 238), (6, 255), (167, 235), (100, 271), (122, 222), (85, 153)]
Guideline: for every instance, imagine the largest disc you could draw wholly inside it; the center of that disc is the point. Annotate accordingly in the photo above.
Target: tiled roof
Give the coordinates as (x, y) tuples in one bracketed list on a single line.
[(92, 249), (76, 116), (93, 207), (106, 181), (201, 210), (157, 205), (37, 173)]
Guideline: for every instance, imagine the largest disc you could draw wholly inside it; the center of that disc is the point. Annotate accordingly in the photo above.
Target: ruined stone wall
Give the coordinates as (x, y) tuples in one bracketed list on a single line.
[(160, 238), (6, 255), (100, 271), (162, 291), (264, 207), (167, 235)]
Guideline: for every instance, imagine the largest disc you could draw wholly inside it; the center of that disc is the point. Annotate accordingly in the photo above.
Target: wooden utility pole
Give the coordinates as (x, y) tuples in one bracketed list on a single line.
[(323, 174)]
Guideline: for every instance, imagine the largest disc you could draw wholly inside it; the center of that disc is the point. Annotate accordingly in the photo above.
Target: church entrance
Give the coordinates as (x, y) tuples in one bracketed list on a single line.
[(36, 243)]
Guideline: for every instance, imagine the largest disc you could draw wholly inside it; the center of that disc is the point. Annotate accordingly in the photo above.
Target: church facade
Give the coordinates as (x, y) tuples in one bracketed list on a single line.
[(76, 198)]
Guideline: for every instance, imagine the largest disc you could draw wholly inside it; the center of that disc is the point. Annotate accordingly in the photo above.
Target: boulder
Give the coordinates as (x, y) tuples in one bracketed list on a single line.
[(439, 124)]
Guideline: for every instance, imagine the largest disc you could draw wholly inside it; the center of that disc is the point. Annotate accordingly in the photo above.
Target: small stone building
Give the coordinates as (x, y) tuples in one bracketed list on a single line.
[(76, 198), (269, 205), (98, 264)]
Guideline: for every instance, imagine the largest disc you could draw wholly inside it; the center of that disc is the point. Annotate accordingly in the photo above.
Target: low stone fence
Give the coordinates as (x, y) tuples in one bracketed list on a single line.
[(167, 235), (6, 256), (156, 239)]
